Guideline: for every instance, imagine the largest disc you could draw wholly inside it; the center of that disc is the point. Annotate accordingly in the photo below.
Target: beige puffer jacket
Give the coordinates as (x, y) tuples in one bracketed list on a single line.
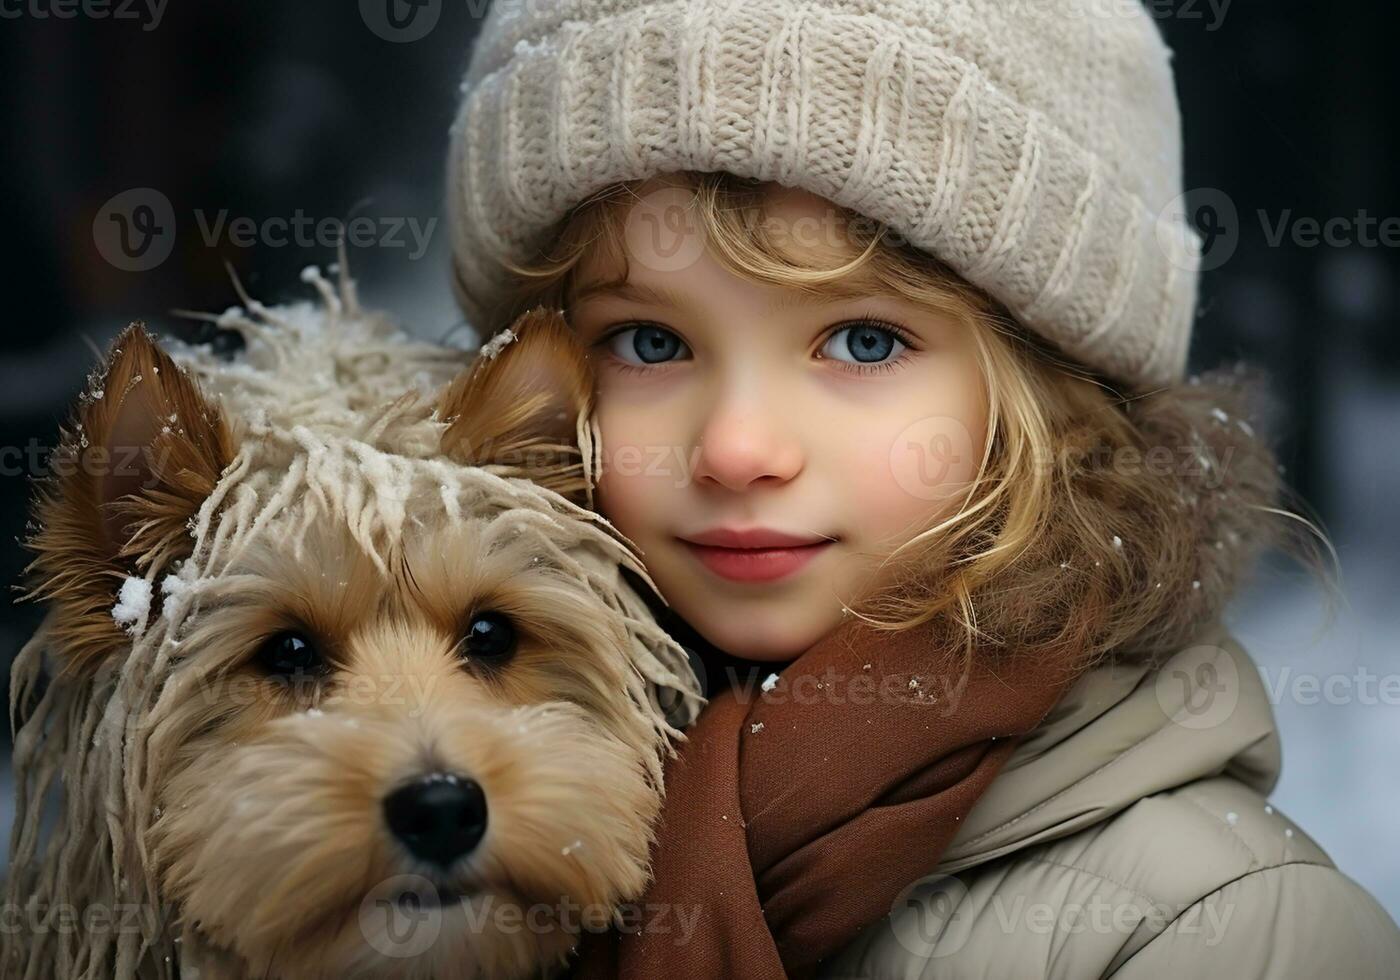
[(1130, 837)]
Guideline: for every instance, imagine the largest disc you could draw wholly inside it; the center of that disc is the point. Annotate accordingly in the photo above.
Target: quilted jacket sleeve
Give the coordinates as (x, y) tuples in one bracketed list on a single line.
[(1288, 922)]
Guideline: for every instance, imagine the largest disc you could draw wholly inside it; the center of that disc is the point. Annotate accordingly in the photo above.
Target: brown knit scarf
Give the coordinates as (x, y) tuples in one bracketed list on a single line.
[(795, 817)]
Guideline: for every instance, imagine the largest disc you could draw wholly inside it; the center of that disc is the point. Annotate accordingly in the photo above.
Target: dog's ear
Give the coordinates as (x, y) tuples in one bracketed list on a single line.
[(143, 450), (518, 405)]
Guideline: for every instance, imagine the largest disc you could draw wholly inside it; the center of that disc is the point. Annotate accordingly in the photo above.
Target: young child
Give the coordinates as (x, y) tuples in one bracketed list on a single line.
[(889, 306)]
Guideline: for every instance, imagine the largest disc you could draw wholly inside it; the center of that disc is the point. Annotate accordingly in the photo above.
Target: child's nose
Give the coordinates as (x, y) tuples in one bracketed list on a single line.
[(741, 444)]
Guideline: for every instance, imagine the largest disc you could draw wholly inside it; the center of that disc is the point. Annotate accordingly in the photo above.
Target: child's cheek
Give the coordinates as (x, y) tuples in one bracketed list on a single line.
[(911, 469), (930, 460), (641, 469)]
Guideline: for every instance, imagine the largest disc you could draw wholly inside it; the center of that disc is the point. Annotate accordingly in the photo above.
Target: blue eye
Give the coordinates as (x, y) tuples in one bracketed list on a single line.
[(865, 343), (648, 344)]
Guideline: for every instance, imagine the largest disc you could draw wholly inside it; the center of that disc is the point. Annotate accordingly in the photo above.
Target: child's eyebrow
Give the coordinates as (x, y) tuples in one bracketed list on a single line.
[(634, 291), (664, 296)]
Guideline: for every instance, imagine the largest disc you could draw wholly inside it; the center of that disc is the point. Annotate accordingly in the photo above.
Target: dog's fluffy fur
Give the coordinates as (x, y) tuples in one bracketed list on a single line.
[(339, 479)]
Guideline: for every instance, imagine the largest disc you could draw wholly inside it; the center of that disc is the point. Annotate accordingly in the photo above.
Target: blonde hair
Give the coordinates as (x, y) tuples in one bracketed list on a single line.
[(1062, 546)]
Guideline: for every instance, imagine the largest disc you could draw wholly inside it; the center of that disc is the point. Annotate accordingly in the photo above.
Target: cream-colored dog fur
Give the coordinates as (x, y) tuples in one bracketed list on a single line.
[(344, 482)]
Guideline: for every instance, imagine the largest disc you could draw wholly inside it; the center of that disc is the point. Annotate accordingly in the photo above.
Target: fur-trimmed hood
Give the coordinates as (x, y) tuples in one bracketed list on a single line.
[(1156, 510), (1227, 487)]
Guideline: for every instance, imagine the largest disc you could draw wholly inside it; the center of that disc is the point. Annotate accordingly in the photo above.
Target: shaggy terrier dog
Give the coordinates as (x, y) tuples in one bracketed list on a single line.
[(341, 675)]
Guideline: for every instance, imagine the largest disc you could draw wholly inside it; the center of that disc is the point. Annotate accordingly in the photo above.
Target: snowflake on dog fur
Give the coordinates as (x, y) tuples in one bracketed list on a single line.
[(133, 602), (497, 343)]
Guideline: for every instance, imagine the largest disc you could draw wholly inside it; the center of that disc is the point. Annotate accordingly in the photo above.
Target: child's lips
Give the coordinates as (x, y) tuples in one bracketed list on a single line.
[(754, 564)]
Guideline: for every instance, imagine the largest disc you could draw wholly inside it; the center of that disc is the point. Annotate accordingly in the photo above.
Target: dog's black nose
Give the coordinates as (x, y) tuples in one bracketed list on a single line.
[(439, 817)]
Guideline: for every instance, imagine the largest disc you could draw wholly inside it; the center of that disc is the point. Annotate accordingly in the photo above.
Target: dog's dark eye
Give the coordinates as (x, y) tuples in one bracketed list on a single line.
[(289, 653), (490, 639)]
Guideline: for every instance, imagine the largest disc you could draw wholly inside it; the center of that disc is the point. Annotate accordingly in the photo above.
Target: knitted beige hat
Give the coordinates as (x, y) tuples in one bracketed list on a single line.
[(1032, 145)]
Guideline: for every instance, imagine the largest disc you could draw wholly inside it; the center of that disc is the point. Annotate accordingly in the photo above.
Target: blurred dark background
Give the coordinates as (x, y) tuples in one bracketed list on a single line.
[(284, 112)]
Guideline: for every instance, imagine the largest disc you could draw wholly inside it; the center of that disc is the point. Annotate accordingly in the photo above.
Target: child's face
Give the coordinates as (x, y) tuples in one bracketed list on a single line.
[(725, 403)]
